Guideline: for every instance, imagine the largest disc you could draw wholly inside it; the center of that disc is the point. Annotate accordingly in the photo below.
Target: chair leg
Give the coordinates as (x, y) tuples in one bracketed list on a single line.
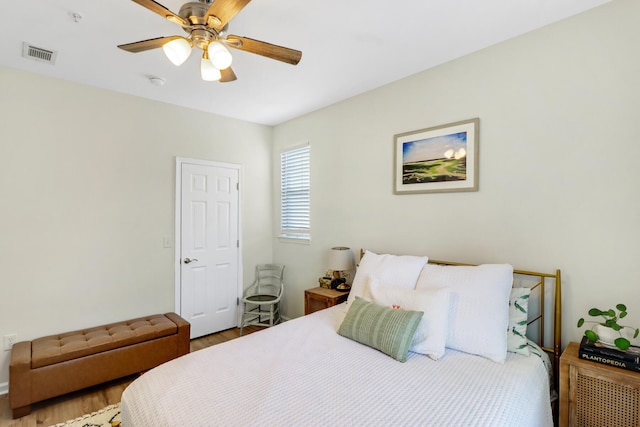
[(271, 317), (258, 316), (244, 310)]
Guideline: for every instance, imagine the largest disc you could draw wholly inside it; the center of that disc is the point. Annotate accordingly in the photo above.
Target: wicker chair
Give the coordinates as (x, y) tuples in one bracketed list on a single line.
[(261, 301)]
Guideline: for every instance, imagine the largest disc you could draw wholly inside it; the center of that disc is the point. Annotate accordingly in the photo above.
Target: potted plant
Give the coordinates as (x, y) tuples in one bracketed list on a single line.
[(609, 331)]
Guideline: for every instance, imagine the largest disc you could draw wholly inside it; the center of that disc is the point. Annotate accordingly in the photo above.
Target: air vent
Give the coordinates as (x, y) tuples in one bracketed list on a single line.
[(38, 53)]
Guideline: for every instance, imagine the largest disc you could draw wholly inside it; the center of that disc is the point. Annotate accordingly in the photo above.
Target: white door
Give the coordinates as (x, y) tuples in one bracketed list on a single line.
[(209, 246)]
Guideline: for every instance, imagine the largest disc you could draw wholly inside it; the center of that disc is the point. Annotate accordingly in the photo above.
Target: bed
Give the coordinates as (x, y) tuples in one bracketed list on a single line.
[(317, 370)]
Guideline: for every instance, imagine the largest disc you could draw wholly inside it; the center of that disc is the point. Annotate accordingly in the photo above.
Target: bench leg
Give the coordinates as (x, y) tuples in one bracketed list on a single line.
[(21, 411)]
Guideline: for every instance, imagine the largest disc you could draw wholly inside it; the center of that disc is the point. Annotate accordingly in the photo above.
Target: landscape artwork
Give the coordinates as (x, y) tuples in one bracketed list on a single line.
[(442, 158), (438, 159)]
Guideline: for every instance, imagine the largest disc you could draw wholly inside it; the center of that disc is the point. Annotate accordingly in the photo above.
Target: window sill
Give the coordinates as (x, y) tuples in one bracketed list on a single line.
[(295, 240)]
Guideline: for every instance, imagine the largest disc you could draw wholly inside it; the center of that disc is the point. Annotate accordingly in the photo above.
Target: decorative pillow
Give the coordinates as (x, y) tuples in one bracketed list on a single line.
[(479, 306), (431, 335), (393, 270), (386, 329), (534, 349), (517, 330)]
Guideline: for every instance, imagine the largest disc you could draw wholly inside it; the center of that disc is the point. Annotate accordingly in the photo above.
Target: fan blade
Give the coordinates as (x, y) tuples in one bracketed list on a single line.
[(227, 75), (284, 54), (224, 10), (147, 44), (162, 11)]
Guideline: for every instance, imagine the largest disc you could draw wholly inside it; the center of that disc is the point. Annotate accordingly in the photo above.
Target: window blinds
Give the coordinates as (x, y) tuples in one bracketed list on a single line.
[(295, 193)]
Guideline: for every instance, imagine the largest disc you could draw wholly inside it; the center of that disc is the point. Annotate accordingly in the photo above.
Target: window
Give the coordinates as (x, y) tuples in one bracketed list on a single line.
[(295, 193)]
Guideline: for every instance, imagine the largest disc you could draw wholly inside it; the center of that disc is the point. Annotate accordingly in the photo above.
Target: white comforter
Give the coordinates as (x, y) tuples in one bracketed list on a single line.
[(302, 373)]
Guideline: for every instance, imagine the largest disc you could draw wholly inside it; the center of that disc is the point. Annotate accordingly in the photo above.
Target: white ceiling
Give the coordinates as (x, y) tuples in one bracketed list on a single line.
[(349, 47)]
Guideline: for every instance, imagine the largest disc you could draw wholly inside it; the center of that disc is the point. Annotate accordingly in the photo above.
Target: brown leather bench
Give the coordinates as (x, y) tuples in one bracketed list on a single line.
[(55, 365)]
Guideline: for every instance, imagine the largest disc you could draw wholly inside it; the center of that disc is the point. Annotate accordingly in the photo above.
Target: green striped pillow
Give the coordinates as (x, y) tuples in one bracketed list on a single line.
[(389, 330)]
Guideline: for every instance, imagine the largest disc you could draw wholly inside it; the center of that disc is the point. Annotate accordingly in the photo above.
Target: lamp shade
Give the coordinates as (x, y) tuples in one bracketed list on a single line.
[(341, 259), (207, 71), (219, 55), (177, 50)]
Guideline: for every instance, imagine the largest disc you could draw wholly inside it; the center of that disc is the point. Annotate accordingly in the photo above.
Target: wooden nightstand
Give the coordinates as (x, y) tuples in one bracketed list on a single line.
[(594, 394), (320, 298)]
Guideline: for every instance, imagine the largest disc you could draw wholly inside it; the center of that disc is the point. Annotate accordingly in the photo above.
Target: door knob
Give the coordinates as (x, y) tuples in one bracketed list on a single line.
[(189, 260)]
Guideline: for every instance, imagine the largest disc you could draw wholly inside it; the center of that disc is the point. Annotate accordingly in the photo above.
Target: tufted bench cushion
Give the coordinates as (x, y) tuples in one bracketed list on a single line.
[(58, 364), (72, 345)]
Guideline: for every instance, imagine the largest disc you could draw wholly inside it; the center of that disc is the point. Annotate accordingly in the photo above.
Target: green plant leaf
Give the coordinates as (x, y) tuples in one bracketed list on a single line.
[(615, 326), (623, 314), (621, 307), (610, 313), (595, 312), (622, 343), (580, 322), (636, 334), (609, 323), (591, 335)]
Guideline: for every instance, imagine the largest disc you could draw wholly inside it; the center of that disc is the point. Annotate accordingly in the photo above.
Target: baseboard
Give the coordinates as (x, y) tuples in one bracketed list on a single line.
[(4, 388)]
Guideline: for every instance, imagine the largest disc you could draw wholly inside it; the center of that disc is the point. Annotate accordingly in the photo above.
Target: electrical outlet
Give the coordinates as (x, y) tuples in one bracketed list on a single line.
[(9, 341)]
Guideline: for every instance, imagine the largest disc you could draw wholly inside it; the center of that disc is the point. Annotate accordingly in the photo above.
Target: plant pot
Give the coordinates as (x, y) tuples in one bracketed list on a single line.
[(607, 336)]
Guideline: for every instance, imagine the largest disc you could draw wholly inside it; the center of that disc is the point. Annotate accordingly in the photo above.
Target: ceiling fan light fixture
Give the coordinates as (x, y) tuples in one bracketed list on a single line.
[(177, 50), (219, 55), (208, 72)]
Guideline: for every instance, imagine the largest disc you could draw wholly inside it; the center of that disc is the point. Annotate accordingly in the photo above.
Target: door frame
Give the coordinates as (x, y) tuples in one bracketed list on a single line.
[(178, 227)]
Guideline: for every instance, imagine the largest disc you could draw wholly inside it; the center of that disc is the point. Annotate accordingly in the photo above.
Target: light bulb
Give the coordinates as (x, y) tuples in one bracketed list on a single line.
[(219, 55), (177, 50), (207, 70)]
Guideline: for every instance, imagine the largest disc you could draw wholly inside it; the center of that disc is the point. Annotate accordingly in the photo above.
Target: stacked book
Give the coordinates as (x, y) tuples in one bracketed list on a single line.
[(600, 353)]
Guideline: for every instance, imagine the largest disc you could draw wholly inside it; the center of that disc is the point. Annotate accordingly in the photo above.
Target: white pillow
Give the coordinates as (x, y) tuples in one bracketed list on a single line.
[(518, 317), (392, 270), (479, 306), (431, 336)]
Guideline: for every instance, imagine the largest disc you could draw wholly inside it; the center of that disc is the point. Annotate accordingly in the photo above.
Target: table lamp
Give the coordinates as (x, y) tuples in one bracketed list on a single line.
[(340, 261)]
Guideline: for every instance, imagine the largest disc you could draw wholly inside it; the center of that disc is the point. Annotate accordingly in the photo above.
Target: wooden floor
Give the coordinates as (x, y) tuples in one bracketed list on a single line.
[(73, 405)]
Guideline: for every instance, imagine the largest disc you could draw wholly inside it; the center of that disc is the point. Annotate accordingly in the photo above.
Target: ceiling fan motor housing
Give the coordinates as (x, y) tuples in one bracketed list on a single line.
[(195, 14), (201, 32)]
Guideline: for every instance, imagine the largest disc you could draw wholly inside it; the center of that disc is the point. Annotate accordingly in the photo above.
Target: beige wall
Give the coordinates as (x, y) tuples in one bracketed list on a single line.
[(87, 185), (559, 164)]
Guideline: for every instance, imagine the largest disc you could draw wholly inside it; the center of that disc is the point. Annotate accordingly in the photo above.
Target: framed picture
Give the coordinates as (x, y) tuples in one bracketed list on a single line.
[(438, 159)]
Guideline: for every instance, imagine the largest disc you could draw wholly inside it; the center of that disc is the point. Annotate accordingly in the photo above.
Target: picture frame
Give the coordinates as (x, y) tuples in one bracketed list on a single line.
[(437, 159)]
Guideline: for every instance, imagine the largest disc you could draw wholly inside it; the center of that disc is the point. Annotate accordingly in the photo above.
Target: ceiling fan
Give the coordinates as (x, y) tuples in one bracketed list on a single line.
[(206, 24)]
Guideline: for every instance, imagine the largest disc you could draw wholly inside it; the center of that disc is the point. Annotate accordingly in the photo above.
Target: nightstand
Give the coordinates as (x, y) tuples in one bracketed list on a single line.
[(594, 394), (320, 298)]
